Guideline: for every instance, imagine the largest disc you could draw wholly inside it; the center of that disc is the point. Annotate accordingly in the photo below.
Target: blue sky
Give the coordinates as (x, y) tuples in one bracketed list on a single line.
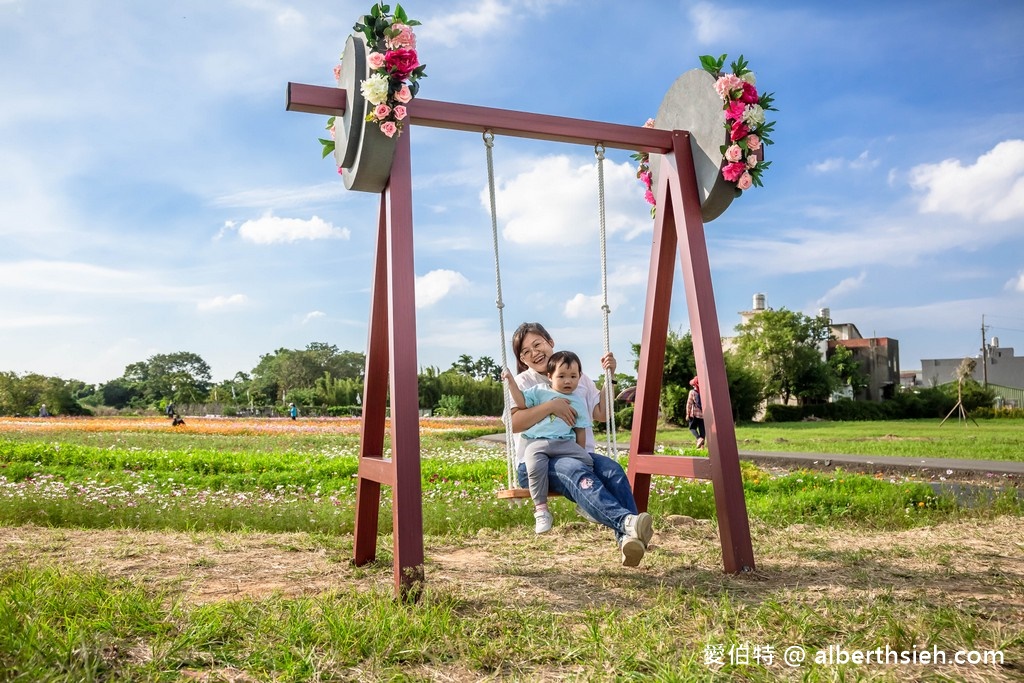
[(156, 197)]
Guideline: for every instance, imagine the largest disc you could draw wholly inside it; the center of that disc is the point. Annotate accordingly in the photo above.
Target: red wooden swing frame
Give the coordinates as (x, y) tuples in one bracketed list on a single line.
[(391, 346)]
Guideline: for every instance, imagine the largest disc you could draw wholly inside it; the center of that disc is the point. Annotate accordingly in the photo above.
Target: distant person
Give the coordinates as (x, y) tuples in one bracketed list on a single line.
[(170, 410), (293, 411), (43, 412), (177, 420), (695, 413)]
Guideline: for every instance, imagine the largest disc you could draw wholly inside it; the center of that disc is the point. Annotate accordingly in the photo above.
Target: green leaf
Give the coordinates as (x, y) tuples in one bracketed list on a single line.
[(375, 11), (330, 123), (401, 15), (328, 147)]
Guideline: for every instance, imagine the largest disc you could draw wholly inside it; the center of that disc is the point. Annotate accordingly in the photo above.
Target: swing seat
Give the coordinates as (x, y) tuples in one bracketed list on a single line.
[(519, 494)]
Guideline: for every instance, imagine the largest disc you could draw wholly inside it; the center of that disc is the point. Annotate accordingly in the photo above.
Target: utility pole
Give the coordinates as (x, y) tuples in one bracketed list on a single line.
[(984, 353)]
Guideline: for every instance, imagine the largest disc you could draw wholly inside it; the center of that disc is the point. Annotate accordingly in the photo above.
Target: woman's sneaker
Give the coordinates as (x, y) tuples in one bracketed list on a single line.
[(632, 551), (542, 521), (640, 527)]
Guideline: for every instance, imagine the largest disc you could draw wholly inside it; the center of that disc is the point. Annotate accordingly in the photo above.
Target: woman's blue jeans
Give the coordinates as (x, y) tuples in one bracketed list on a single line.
[(603, 493)]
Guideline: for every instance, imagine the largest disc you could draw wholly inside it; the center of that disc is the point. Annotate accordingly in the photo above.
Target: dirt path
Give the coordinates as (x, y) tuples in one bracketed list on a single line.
[(981, 562)]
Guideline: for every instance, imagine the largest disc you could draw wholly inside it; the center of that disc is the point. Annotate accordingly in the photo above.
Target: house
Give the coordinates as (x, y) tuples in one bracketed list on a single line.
[(997, 367), (879, 357)]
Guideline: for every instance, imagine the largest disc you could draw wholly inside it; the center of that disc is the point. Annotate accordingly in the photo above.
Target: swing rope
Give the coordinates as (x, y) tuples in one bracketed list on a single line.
[(608, 388), (506, 415)]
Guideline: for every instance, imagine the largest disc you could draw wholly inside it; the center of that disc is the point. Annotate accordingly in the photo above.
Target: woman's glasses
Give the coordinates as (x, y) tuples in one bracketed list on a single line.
[(536, 347)]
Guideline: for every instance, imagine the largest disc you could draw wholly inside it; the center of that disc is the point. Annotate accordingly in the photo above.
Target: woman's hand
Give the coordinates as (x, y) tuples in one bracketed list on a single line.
[(608, 362)]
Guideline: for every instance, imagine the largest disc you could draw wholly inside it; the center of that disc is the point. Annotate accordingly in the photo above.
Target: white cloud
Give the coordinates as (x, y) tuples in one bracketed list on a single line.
[(271, 229), (313, 315), (219, 303), (85, 278), (714, 24), (583, 306), (1016, 284), (555, 202), (845, 286), (991, 189), (438, 284), (863, 161), (483, 18), (32, 321)]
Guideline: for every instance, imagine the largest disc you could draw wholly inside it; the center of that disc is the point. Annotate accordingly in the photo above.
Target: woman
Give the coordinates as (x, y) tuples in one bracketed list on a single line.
[(695, 413), (602, 494)]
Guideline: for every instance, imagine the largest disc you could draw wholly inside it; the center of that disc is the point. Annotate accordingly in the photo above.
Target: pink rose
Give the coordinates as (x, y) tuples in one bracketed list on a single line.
[(389, 128), (738, 131), (376, 60), (753, 143), (404, 37), (745, 181), (401, 62), (404, 95), (382, 111), (649, 123), (732, 172), (734, 112), (400, 112), (337, 72), (341, 171), (726, 84), (649, 196), (734, 153), (752, 161), (645, 178), (749, 93)]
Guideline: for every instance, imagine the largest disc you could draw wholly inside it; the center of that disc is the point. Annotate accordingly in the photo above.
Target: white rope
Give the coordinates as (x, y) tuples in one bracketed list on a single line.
[(609, 389), (510, 453)]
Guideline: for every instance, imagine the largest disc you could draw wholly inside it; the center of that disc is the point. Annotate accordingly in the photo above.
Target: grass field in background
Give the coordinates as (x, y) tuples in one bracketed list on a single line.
[(856, 560)]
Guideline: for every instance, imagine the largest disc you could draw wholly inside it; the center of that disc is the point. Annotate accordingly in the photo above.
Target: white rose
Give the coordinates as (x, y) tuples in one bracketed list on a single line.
[(750, 78), (753, 115), (375, 89)]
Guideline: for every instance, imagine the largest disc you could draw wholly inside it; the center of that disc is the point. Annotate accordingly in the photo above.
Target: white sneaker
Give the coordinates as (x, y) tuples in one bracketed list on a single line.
[(586, 515), (632, 551), (542, 522), (640, 527)]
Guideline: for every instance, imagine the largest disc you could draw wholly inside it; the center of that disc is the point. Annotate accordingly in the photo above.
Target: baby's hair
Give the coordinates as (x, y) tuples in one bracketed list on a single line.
[(563, 358)]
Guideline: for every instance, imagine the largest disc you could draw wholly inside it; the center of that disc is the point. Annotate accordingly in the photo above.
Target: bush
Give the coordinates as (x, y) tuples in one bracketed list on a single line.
[(624, 418), (450, 406), (673, 404), (776, 412), (344, 411)]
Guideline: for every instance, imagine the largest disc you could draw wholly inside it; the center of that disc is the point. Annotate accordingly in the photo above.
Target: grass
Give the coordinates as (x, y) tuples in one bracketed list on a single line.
[(140, 555)]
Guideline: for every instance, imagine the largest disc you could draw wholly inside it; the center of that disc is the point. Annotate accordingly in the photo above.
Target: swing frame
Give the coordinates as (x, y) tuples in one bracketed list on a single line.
[(391, 353)]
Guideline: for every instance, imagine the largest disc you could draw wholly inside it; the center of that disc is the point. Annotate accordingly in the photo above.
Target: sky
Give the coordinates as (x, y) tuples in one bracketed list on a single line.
[(156, 196)]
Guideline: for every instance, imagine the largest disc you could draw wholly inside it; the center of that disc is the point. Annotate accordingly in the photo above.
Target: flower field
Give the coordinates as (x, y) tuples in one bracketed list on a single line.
[(229, 426)]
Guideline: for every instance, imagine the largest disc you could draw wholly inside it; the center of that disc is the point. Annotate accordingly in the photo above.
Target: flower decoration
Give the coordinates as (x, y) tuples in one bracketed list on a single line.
[(643, 172), (747, 130), (395, 70)]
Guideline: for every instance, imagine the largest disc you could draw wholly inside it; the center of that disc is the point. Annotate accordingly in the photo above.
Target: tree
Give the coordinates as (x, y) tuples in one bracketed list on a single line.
[(681, 367), (285, 370), (784, 348), (181, 377)]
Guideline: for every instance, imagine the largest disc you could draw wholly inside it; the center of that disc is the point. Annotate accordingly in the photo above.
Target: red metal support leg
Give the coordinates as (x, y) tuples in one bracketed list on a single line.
[(407, 500), (375, 396), (677, 193)]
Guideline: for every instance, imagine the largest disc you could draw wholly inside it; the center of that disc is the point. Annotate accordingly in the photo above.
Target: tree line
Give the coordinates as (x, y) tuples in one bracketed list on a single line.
[(776, 357)]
